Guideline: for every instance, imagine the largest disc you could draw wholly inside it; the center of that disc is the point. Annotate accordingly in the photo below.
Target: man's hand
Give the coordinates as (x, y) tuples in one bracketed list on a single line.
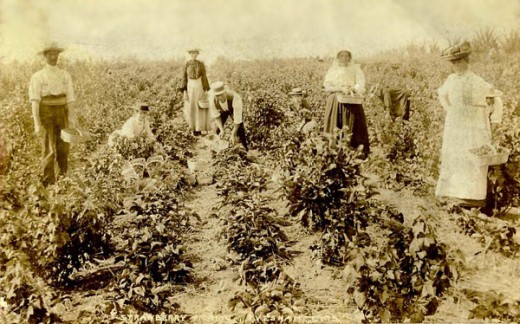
[(234, 136), (72, 123)]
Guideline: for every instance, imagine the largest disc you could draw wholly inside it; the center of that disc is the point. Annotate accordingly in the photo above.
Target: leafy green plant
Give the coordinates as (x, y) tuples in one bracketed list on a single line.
[(264, 115), (275, 302), (251, 229), (493, 306), (147, 239), (499, 238), (402, 278), (324, 178), (132, 148)]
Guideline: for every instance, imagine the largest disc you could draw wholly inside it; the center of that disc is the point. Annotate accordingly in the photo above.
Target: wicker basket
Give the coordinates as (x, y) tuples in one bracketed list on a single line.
[(348, 99), (74, 135), (494, 158), (203, 104), (197, 165)]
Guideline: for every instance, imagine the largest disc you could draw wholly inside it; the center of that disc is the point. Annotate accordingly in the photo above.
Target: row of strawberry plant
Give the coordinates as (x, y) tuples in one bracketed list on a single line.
[(52, 233), (393, 272), (254, 232), (491, 235), (148, 263)]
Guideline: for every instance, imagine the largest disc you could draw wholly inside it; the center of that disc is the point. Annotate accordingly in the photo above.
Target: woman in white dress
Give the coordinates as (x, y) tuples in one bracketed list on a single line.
[(471, 106), (195, 86)]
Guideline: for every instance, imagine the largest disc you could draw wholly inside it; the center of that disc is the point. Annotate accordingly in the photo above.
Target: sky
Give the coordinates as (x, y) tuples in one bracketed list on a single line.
[(241, 29)]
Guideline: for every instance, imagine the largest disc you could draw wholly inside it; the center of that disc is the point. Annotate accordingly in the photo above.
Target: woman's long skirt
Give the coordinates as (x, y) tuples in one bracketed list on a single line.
[(339, 115), (198, 119), (460, 175)]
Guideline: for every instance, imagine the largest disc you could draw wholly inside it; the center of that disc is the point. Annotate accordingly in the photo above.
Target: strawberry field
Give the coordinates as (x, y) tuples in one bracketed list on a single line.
[(294, 231)]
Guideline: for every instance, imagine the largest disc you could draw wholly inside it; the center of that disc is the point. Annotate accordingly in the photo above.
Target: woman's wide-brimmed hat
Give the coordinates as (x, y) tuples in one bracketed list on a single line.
[(193, 50), (494, 93), (296, 92), (217, 88), (52, 46), (456, 52)]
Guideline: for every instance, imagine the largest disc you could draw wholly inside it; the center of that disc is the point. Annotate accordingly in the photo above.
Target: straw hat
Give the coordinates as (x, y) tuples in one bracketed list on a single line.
[(456, 52), (52, 46), (217, 88)]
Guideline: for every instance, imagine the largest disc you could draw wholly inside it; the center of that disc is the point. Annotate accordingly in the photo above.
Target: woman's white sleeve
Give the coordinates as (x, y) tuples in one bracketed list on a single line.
[(330, 81), (443, 94), (360, 80), (498, 111)]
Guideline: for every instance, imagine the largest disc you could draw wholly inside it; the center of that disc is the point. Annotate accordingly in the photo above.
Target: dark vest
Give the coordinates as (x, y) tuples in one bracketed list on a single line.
[(194, 69), (229, 98)]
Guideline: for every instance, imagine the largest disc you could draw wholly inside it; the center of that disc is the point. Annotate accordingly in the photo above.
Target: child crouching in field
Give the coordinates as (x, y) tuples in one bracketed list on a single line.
[(135, 126), (136, 130)]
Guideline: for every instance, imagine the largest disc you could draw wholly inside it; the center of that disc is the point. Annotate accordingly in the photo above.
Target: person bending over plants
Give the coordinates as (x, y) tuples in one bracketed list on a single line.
[(225, 103)]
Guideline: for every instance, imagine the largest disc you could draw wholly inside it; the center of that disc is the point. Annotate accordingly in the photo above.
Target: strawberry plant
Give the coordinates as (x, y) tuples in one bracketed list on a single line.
[(264, 116), (175, 141), (276, 302), (493, 306), (324, 178), (254, 230), (147, 239), (503, 184), (402, 278), (131, 148), (499, 238)]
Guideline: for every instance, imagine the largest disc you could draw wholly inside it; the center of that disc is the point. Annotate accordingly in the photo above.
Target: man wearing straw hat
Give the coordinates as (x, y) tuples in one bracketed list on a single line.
[(224, 103), (51, 95)]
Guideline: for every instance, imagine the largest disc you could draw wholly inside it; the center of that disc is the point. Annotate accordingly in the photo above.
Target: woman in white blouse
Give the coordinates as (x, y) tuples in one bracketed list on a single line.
[(472, 106), (346, 79)]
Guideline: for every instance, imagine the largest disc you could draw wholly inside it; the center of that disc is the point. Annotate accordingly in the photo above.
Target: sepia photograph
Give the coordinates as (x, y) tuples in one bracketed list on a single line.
[(259, 161)]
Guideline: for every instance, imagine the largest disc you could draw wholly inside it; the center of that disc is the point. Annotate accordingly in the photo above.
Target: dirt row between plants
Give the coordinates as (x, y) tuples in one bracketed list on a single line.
[(217, 277)]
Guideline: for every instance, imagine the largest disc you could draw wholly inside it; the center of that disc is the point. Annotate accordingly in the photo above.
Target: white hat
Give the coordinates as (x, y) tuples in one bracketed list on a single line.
[(217, 87)]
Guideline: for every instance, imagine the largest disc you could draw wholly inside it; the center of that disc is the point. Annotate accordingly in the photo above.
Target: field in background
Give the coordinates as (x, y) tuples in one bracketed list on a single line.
[(133, 239)]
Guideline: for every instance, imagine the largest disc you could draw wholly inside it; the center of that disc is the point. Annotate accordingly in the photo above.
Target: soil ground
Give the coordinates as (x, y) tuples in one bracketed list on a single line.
[(217, 275), (484, 270)]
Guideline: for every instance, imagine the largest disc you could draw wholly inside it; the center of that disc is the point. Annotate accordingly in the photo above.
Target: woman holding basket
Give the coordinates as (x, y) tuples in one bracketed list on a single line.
[(195, 86), (345, 83), (472, 105)]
